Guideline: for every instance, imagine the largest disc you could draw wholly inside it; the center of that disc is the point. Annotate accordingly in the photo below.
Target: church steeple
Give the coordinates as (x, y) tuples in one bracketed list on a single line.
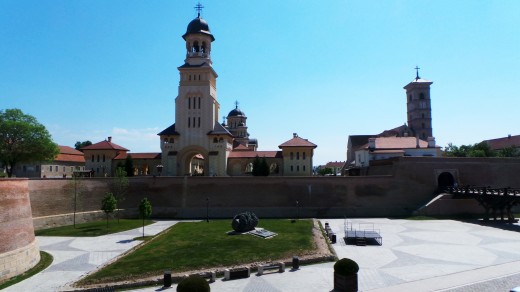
[(418, 106)]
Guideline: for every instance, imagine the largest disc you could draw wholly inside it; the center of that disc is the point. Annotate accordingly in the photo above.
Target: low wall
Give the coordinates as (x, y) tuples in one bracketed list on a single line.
[(18, 247)]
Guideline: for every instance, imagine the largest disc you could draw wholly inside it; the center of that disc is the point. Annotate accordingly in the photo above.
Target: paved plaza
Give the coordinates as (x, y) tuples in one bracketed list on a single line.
[(436, 255)]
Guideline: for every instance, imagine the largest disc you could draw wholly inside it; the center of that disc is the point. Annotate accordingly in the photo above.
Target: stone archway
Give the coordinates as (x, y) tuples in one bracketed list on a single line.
[(445, 179), (194, 162)]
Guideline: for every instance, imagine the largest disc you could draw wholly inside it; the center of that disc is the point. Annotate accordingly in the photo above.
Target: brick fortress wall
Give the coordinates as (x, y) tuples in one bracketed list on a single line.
[(18, 247), (408, 184)]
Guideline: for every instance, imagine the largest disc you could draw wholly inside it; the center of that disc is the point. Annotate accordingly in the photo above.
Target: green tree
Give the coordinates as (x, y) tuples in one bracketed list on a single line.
[(80, 145), (129, 165), (325, 170), (260, 167), (23, 139), (145, 210), (77, 187), (108, 204), (509, 152), (119, 188)]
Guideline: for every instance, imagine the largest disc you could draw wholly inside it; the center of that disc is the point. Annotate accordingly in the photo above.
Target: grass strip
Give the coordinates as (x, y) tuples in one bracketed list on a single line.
[(201, 245), (96, 228), (45, 261)]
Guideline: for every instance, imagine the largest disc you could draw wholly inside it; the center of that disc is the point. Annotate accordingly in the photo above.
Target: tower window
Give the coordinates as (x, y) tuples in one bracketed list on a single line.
[(421, 96), (199, 102), (103, 157), (297, 155), (423, 125), (304, 157), (292, 156), (189, 122), (189, 102), (194, 122), (98, 158), (199, 122), (410, 97), (92, 157)]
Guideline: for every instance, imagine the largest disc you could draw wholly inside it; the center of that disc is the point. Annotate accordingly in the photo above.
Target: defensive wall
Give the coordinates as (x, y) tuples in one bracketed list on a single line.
[(18, 247), (398, 190)]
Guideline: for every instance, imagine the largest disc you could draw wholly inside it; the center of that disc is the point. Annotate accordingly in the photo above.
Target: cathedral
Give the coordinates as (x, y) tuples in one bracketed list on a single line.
[(198, 144)]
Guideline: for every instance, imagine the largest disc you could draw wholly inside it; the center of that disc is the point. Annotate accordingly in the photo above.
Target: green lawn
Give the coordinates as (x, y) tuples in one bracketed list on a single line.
[(197, 245), (45, 261), (96, 228)]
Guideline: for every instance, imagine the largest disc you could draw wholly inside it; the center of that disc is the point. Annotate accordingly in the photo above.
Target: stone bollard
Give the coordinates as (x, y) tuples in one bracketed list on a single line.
[(295, 263), (167, 279), (282, 267)]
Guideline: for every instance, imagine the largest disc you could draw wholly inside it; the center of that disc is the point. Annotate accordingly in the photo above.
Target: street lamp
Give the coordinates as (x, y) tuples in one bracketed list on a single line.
[(159, 169), (207, 210), (297, 210)]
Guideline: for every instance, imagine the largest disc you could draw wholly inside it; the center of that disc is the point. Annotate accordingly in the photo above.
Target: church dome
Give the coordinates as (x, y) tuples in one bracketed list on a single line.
[(198, 25), (236, 113)]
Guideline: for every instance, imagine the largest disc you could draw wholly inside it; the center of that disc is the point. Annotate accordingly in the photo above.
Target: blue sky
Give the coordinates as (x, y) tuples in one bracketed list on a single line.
[(324, 69)]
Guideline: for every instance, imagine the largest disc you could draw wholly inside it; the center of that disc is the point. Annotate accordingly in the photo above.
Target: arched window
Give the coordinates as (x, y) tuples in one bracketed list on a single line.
[(199, 102), (165, 140), (291, 157), (92, 157), (292, 169), (304, 168), (171, 140), (421, 95), (220, 140), (297, 155), (98, 158), (215, 140), (199, 123), (203, 48), (196, 46), (304, 156), (298, 168), (189, 122), (103, 157), (189, 101)]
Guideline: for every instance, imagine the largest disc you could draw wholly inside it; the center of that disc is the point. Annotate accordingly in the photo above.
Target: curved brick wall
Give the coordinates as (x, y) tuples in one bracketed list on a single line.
[(18, 248)]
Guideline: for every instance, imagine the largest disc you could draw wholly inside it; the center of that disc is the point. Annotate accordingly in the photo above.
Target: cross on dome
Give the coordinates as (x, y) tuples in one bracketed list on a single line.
[(198, 7)]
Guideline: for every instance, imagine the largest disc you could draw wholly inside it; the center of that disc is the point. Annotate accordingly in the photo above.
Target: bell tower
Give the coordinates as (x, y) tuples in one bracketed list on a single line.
[(418, 105), (197, 144)]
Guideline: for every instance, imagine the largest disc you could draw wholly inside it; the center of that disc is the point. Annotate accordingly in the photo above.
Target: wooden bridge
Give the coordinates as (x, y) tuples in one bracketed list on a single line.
[(493, 200)]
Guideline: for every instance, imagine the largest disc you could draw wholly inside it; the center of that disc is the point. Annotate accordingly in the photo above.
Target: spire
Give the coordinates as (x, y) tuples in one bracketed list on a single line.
[(236, 104), (198, 7), (417, 72)]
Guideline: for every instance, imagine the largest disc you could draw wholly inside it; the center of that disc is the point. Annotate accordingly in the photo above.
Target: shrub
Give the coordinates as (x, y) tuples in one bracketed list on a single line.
[(193, 283), (346, 267)]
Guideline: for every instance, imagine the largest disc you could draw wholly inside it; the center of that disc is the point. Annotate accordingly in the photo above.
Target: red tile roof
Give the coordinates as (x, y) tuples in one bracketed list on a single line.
[(501, 143), (69, 154), (253, 154), (241, 147), (104, 145), (336, 164), (123, 155), (298, 142)]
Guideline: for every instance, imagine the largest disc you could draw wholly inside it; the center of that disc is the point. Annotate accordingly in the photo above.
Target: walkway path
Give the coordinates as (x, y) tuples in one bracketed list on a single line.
[(75, 256)]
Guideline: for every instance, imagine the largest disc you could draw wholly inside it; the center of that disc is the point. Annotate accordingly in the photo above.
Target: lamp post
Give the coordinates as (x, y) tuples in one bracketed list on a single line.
[(207, 210), (297, 210), (159, 169)]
